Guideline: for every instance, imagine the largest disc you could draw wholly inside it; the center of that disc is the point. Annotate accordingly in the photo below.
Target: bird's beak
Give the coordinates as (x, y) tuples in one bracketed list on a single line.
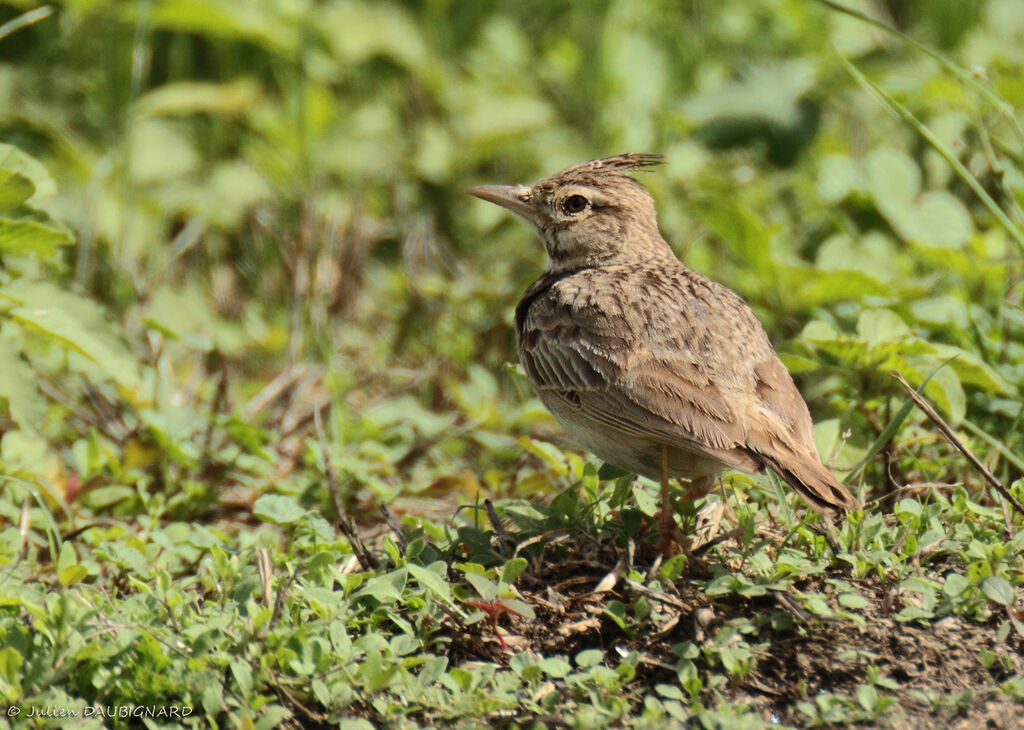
[(514, 197)]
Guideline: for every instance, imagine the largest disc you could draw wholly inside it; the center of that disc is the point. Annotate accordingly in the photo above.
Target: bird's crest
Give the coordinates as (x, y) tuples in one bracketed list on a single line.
[(617, 163), (597, 171)]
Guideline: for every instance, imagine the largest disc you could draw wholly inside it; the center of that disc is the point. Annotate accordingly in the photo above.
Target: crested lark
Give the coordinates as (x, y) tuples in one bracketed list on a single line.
[(651, 366)]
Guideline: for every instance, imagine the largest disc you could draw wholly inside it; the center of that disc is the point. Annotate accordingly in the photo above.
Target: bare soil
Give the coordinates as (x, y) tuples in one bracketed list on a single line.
[(939, 680)]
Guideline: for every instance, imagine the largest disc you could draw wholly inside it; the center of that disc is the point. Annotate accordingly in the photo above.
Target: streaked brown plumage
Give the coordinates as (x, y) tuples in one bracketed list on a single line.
[(642, 359)]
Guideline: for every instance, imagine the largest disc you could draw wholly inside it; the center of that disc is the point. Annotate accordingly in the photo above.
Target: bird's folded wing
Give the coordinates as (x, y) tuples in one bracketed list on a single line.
[(668, 398)]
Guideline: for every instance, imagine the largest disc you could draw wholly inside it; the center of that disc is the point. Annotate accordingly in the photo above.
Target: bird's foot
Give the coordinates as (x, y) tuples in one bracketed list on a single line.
[(671, 539)]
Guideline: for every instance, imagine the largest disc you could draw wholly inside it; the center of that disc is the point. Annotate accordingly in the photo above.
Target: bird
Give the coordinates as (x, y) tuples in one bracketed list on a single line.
[(651, 366)]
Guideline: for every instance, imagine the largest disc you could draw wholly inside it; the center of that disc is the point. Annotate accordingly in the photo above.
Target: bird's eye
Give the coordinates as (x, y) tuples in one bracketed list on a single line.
[(575, 204)]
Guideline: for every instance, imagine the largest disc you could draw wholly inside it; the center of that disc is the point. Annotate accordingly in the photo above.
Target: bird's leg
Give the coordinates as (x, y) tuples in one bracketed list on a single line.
[(667, 530)]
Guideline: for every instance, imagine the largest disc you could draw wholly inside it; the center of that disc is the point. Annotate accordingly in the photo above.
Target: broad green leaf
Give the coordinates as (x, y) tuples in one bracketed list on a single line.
[(278, 509), (838, 176), (893, 178), (867, 696), (68, 556), (875, 254), (233, 189), (23, 449), (840, 286), (998, 590), (226, 19), (357, 31), (970, 368), (818, 331), (15, 160), (955, 584), (77, 324), (853, 601), (485, 587), (433, 581), (212, 698), (555, 666), (19, 384), (386, 588), (24, 237), (193, 97), (941, 310), (10, 664), (827, 436), (242, 671), (876, 326), (15, 189), (512, 570), (770, 91), (72, 574), (520, 607), (938, 220)]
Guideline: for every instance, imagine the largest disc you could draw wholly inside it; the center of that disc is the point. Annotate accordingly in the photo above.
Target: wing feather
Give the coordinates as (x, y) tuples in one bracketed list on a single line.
[(625, 383)]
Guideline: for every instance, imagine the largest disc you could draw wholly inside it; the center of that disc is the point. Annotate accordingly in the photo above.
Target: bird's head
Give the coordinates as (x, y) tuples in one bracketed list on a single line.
[(589, 214)]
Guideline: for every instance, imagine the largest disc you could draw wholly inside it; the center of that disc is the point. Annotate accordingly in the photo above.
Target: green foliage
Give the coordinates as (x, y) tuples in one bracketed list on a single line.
[(217, 219)]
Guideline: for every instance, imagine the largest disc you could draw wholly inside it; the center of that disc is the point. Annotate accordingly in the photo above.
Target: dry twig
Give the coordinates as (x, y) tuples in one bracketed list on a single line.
[(956, 443)]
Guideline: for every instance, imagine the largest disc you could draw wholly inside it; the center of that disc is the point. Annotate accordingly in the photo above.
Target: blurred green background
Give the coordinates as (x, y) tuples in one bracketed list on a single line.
[(236, 187), (224, 225)]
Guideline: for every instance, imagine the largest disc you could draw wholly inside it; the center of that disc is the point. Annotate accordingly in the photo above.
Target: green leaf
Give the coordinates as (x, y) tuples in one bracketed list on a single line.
[(15, 189), (512, 570), (19, 385), (817, 605), (556, 667), (838, 176), (853, 601), (840, 286), (10, 664), (242, 671), (68, 557), (610, 471), (77, 324), (485, 587), (72, 574), (160, 152), (616, 611), (23, 237), (193, 97), (357, 31), (955, 585), (938, 220), (386, 588), (212, 698), (226, 19), (998, 590), (15, 160), (432, 578), (878, 326), (277, 509), (867, 696), (893, 179)]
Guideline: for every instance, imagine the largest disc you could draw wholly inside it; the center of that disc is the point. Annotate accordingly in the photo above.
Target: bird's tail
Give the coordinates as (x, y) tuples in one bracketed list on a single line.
[(812, 481)]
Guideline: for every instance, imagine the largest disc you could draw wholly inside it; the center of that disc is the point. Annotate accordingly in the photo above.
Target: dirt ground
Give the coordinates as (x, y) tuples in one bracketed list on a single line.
[(935, 668)]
